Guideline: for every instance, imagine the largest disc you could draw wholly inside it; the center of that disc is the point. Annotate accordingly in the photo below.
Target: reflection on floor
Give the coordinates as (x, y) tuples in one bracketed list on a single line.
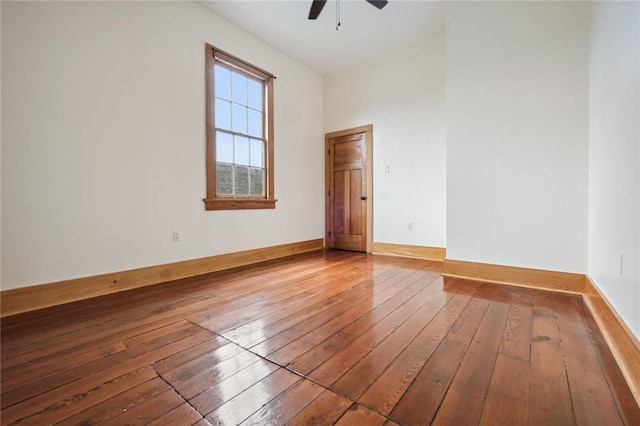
[(322, 338)]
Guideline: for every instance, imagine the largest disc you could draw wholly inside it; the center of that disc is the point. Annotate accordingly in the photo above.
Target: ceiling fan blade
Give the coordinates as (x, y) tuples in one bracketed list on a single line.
[(316, 8), (377, 3)]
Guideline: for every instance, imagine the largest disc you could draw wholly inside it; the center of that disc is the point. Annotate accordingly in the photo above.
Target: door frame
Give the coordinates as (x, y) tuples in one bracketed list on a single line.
[(368, 165)]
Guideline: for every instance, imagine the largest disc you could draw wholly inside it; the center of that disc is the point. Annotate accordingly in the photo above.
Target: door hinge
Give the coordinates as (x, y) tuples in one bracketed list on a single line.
[(328, 152), (329, 234), (329, 193)]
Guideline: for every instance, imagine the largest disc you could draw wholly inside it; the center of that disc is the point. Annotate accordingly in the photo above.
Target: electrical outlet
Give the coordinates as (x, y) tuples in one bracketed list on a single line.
[(176, 237), (387, 168), (410, 226)]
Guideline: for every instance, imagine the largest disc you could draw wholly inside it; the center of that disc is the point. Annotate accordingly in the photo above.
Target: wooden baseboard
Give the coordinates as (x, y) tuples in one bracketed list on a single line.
[(524, 277), (418, 252), (35, 297), (624, 345)]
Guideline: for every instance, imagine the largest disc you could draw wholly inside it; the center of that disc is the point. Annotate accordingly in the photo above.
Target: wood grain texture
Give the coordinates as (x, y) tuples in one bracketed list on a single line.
[(367, 179), (517, 276), (549, 397), (322, 338), (405, 250), (622, 342), (326, 409), (508, 394), (31, 298)]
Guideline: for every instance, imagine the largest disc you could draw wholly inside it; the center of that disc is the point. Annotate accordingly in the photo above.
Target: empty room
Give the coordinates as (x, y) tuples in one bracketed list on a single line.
[(309, 212)]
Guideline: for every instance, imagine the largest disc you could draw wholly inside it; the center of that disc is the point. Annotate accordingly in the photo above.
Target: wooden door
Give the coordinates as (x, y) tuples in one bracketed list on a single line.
[(347, 192)]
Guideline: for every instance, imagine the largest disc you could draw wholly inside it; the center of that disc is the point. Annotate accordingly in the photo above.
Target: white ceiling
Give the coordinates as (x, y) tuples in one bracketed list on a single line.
[(366, 32)]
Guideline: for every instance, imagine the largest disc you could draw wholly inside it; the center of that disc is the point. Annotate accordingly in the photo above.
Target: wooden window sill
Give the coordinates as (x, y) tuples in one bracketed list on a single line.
[(238, 204)]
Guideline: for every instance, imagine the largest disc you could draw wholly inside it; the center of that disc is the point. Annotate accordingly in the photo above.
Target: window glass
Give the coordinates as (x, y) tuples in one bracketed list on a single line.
[(255, 123), (239, 119), (239, 88), (257, 153), (241, 150), (239, 133), (223, 82), (255, 94), (223, 114), (224, 147)]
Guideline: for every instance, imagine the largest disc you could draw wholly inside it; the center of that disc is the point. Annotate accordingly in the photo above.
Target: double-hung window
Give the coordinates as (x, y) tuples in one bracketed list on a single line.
[(239, 116)]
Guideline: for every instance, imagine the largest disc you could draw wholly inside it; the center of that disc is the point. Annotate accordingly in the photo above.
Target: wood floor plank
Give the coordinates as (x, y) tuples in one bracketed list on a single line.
[(203, 422), (470, 384), (124, 401), (359, 415), (190, 383), (242, 406), (325, 410), (246, 308), (322, 351), (358, 379), (143, 344), (259, 330), (294, 341), (51, 408), (310, 320), (383, 395), (549, 398), (90, 339), (341, 362), (516, 341), (160, 301), (389, 333), (78, 390), (148, 410), (431, 384), (183, 414), (32, 372), (214, 396), (627, 406), (287, 405), (508, 395), (592, 401), (181, 358), (198, 364)]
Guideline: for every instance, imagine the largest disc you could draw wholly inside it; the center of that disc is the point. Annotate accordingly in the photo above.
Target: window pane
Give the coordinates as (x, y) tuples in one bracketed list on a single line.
[(257, 153), (241, 150), (255, 94), (239, 91), (239, 119), (223, 114), (224, 147), (223, 82), (257, 181), (224, 179), (241, 180), (255, 123)]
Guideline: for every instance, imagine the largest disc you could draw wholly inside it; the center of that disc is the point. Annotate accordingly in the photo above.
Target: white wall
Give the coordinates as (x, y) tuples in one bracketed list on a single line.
[(103, 140), (517, 142), (614, 156), (403, 95)]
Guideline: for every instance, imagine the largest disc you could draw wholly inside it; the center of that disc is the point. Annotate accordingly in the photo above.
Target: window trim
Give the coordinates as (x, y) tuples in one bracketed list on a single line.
[(237, 202)]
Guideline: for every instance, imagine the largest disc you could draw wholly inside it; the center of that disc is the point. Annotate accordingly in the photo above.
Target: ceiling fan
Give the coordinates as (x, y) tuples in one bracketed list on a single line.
[(318, 5)]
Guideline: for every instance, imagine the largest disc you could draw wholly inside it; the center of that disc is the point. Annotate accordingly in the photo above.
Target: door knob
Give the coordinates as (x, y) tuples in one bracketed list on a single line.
[(363, 198)]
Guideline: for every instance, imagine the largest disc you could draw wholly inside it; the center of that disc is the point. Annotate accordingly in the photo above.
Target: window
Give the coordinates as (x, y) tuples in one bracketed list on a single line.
[(239, 134)]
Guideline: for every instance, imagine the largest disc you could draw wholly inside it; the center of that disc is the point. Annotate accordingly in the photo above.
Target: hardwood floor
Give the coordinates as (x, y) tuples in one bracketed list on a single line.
[(324, 338)]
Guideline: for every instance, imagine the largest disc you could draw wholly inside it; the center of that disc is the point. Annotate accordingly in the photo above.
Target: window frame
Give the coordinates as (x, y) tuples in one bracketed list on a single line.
[(237, 202)]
